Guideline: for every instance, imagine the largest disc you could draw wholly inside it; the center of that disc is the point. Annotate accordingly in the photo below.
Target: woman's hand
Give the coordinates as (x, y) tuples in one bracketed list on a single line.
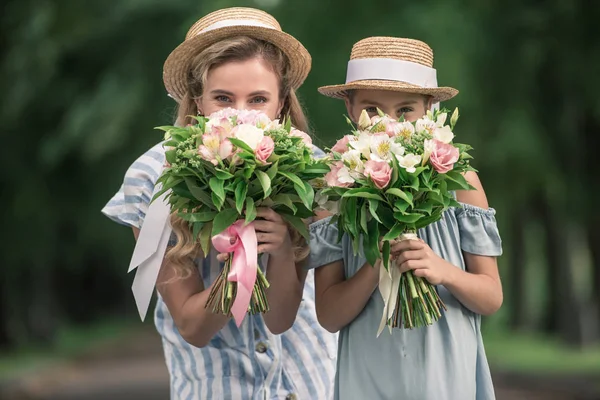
[(416, 255)]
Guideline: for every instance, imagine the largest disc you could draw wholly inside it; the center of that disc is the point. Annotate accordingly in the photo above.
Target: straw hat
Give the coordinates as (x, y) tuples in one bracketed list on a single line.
[(226, 23), (396, 64)]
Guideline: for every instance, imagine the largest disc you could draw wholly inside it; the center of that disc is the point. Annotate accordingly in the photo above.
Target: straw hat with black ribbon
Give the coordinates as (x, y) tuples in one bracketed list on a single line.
[(396, 64), (227, 23)]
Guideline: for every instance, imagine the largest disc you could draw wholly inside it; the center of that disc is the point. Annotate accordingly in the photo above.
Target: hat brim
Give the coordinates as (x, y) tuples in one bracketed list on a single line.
[(176, 67), (341, 91)]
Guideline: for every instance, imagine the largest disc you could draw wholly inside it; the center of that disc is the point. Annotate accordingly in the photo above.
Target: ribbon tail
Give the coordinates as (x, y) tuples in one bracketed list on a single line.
[(385, 289), (394, 292), (149, 252), (243, 270)]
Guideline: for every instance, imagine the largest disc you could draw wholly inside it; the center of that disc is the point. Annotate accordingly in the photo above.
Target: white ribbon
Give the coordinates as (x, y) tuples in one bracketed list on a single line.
[(149, 252), (361, 69), (389, 283), (235, 22)]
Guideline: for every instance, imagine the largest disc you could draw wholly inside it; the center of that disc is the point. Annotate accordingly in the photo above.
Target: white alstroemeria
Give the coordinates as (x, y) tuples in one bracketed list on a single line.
[(441, 119), (364, 121), (406, 130), (323, 203), (249, 134), (409, 162), (428, 146), (383, 148), (354, 163), (362, 143), (443, 134), (425, 124), (344, 175)]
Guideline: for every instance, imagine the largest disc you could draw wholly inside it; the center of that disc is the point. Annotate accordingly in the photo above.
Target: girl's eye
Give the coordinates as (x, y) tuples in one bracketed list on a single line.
[(371, 110), (259, 99), (223, 99), (405, 110)]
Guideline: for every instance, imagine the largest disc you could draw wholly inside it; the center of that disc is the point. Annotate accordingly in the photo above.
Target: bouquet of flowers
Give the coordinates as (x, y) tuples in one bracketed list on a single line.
[(218, 172), (388, 179)]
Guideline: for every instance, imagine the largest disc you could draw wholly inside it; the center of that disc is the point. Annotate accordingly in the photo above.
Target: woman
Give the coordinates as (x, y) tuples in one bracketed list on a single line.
[(236, 58)]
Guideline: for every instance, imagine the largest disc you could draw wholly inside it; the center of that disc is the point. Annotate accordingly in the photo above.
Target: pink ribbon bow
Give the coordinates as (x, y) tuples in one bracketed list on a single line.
[(243, 264)]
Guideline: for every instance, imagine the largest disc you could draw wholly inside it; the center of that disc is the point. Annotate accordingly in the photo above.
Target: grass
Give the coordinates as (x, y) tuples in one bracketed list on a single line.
[(532, 353), (70, 342)]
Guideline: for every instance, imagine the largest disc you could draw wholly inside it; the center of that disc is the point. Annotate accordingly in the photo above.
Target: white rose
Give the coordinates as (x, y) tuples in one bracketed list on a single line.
[(409, 162), (443, 134), (249, 134)]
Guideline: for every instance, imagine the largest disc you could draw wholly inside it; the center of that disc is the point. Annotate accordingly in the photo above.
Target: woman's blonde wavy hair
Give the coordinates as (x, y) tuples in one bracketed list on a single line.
[(236, 49)]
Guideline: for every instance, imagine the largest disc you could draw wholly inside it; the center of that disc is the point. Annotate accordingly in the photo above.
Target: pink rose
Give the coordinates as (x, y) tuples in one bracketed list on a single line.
[(333, 179), (342, 145), (379, 172), (253, 117), (305, 137), (264, 149), (443, 156)]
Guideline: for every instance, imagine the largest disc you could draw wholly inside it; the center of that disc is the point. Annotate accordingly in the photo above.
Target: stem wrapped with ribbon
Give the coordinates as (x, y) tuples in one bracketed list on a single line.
[(241, 282)]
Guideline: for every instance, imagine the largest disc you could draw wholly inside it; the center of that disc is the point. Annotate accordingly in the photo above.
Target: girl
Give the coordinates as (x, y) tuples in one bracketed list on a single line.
[(236, 58), (445, 361)]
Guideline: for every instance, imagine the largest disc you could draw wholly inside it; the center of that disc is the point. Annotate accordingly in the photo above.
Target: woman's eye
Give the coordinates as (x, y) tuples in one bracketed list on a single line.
[(223, 99), (259, 99)]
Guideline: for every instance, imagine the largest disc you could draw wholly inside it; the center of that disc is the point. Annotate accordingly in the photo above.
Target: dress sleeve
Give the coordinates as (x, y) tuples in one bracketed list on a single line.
[(478, 230), (130, 204), (324, 245)]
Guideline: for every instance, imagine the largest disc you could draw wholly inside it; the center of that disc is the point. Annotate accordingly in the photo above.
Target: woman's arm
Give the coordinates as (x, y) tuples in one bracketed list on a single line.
[(186, 299)]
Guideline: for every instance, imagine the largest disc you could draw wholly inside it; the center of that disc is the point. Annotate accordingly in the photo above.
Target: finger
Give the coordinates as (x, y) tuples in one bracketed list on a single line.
[(266, 248), (411, 265), (409, 255), (222, 257), (268, 214), (263, 237), (405, 245), (270, 227)]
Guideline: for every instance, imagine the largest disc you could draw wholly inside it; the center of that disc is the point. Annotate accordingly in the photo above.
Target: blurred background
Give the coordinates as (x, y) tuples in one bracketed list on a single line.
[(81, 85)]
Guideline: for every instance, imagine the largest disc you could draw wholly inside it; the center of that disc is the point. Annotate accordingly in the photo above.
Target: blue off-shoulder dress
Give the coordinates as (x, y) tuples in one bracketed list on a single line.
[(445, 361)]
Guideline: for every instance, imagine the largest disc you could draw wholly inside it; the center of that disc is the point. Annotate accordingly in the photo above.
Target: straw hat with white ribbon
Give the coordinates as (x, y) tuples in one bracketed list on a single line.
[(396, 64), (226, 23)]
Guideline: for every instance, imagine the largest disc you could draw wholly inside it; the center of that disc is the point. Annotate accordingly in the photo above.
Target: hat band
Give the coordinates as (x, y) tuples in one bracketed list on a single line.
[(235, 22), (361, 69)]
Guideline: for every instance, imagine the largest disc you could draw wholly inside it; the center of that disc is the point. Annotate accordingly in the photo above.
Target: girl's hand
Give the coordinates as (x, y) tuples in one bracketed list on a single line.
[(416, 255), (271, 233)]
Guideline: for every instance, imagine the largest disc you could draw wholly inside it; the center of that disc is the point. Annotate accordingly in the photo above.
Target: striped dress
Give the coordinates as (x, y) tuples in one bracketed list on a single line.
[(245, 363)]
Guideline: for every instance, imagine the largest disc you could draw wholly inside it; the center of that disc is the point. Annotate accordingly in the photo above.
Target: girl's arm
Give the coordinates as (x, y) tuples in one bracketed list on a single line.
[(479, 288), (339, 300), (185, 299)]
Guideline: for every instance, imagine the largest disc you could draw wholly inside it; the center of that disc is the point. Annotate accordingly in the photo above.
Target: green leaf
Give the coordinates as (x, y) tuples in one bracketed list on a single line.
[(216, 186), (205, 238), (171, 156), (373, 204), (198, 193), (425, 207), (292, 177), (454, 203), (363, 217), (386, 216), (423, 222), (222, 174), (196, 230), (371, 242), (288, 124), (218, 202), (265, 182), (298, 224), (413, 182), (309, 197), (395, 168), (241, 191), (458, 179), (198, 217), (250, 210), (406, 196), (224, 220), (241, 145), (401, 206), (272, 171), (396, 231), (350, 211), (284, 199), (367, 193), (407, 218), (386, 254), (167, 187)]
